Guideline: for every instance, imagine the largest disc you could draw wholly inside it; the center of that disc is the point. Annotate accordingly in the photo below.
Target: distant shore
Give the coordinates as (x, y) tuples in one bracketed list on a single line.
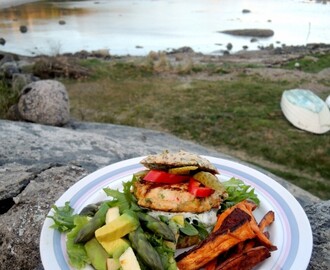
[(11, 3)]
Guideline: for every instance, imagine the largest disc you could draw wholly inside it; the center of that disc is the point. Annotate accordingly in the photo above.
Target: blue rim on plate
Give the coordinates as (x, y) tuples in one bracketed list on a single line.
[(291, 231)]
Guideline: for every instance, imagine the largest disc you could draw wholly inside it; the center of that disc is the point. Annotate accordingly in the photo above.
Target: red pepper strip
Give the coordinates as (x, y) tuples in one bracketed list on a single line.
[(197, 190), (165, 177)]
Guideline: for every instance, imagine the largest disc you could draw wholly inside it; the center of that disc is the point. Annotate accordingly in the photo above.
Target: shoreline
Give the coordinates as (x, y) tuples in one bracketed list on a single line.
[(270, 53), (12, 3)]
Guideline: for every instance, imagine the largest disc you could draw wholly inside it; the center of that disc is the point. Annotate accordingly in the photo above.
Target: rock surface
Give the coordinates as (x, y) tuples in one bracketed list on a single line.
[(320, 215), (39, 162)]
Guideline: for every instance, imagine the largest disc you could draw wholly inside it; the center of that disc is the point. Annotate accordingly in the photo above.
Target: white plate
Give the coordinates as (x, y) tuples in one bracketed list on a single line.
[(291, 231)]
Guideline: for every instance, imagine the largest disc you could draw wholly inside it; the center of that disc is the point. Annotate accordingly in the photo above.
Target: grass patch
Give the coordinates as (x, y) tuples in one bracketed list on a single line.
[(242, 114), (312, 185), (312, 64), (115, 71), (8, 97)]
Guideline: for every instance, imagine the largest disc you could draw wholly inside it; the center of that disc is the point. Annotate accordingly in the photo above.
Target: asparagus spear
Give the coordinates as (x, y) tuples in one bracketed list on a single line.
[(87, 232), (90, 210), (157, 226), (145, 250)]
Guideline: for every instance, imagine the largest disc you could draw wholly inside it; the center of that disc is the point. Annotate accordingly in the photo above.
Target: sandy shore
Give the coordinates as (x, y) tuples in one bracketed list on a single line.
[(11, 3)]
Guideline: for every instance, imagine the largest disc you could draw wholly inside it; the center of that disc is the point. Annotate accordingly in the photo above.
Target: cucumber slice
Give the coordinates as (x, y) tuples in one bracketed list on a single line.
[(209, 180)]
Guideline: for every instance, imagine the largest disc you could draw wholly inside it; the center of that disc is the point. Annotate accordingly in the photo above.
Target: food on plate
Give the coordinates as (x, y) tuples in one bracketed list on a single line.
[(237, 242), (246, 259), (96, 253), (127, 261), (176, 201), (88, 230), (178, 161), (180, 184)]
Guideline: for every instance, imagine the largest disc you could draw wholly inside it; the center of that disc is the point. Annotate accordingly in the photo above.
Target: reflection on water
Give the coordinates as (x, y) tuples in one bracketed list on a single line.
[(41, 19), (139, 26), (32, 12), (39, 11)]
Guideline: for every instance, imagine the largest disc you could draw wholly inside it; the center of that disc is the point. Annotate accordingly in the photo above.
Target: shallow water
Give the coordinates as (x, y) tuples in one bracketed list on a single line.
[(139, 26)]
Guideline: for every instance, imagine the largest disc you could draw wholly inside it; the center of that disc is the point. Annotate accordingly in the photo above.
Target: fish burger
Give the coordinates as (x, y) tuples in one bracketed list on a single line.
[(183, 187)]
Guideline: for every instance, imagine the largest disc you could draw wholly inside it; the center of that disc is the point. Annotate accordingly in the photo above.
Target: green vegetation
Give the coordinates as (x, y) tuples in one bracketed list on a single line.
[(218, 105), (313, 64), (8, 97)]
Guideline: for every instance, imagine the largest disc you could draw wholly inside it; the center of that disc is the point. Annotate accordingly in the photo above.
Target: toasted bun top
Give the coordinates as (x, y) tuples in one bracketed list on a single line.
[(168, 159)]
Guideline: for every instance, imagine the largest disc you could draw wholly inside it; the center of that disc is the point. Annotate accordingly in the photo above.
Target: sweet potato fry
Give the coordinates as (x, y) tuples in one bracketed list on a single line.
[(239, 249), (245, 260), (266, 220), (240, 246), (211, 265), (248, 205), (266, 233), (260, 235), (249, 244), (218, 242), (237, 242), (220, 225)]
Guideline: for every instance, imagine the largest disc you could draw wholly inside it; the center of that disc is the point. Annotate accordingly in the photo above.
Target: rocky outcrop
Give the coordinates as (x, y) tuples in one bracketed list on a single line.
[(39, 162), (260, 33)]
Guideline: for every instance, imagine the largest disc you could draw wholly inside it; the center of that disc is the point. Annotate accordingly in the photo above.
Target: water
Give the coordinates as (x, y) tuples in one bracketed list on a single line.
[(137, 27)]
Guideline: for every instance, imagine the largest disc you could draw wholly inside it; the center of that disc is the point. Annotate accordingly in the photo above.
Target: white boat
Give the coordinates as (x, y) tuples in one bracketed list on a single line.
[(305, 110)]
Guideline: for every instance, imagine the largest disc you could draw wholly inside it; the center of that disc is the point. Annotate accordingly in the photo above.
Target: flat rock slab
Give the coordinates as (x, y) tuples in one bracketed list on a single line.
[(319, 214), (260, 33), (21, 226), (38, 163)]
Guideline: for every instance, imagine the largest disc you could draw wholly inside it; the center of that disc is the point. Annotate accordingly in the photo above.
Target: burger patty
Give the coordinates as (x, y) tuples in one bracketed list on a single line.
[(173, 198)]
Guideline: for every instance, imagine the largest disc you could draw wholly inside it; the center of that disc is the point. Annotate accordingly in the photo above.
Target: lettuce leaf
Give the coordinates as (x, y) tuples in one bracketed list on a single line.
[(238, 191), (63, 218), (76, 252), (124, 200)]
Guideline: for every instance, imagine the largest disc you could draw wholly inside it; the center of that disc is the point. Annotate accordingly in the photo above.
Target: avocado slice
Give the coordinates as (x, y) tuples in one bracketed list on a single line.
[(96, 254), (115, 247), (117, 228)]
